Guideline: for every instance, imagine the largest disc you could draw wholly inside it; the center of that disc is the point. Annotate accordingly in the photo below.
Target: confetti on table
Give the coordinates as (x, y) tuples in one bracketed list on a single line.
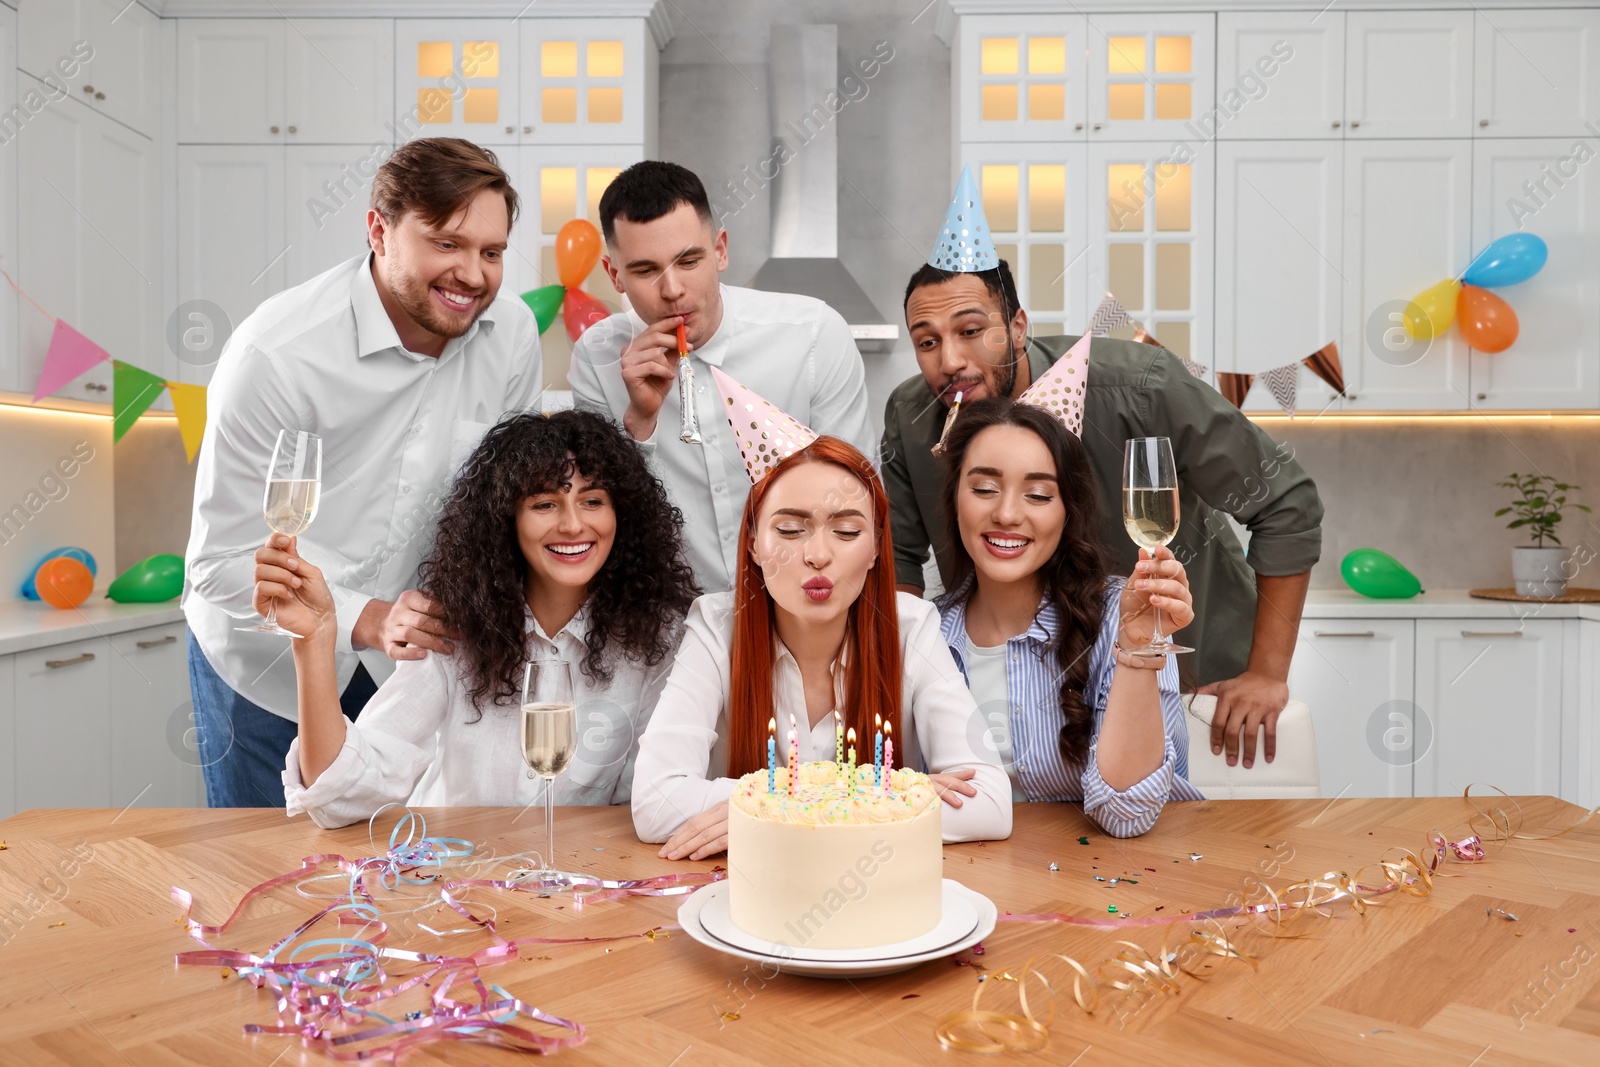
[(1196, 857), (657, 932), (1112, 909), (1083, 840), (1572, 929), (63, 922), (1503, 912), (730, 1016), (911, 996), (3, 846), (1053, 867)]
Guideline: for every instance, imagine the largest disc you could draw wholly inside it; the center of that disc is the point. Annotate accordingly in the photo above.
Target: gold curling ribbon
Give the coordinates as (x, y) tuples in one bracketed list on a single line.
[(1026, 1035)]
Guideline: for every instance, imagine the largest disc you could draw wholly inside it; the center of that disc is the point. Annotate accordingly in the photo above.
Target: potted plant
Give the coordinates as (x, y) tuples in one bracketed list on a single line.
[(1539, 569)]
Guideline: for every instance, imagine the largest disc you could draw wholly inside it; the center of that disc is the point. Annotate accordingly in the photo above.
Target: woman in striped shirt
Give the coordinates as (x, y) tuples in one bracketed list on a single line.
[(1038, 629)]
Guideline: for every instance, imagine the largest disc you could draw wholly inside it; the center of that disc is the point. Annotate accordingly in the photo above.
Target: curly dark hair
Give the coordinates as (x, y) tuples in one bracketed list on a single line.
[(478, 574), (1074, 578)]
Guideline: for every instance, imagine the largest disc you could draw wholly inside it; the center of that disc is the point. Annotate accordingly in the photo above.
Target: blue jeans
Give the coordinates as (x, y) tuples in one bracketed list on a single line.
[(243, 746)]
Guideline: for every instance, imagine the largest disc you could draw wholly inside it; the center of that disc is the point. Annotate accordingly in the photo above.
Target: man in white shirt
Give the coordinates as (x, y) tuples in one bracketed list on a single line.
[(666, 254), (399, 360)]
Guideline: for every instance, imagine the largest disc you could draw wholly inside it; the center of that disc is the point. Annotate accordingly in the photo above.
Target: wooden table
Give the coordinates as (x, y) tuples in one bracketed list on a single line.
[(87, 974)]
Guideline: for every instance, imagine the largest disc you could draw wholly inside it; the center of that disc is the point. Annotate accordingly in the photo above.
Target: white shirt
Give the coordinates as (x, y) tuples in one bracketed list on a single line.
[(986, 677), (793, 350), (683, 757), (325, 357), (417, 742)]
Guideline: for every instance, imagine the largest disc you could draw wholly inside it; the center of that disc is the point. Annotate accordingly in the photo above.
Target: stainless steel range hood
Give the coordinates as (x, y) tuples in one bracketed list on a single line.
[(805, 193)]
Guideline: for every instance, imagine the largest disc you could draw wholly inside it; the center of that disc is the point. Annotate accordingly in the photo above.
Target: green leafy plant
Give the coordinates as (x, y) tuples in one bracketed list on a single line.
[(1539, 507)]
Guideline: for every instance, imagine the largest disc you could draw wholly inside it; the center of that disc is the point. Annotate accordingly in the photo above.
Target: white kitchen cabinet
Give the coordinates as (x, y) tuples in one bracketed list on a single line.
[(1150, 75), (231, 244), (1408, 74), (1151, 219), (457, 78), (1539, 185), (269, 81), (557, 184), (1021, 78), (122, 76), (1580, 770), (1279, 279), (10, 372), (326, 193), (63, 726), (1033, 196), (1537, 73), (1356, 677), (8, 734), (155, 762), (1493, 691), (1407, 210), (89, 242), (1286, 71)]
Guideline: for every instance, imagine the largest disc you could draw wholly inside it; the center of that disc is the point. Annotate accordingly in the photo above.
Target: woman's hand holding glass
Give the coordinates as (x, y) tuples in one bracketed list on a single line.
[(1158, 582), (296, 588)]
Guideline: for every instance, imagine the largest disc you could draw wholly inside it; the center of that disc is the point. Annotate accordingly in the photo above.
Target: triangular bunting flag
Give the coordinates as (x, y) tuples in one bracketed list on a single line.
[(1196, 369), (1234, 386), (70, 354), (133, 390), (1060, 390), (1108, 316), (964, 244), (1324, 363), (767, 435), (189, 404), (1284, 383)]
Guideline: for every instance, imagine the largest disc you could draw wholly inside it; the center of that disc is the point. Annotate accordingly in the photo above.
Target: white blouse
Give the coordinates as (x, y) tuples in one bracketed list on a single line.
[(683, 756), (416, 742)]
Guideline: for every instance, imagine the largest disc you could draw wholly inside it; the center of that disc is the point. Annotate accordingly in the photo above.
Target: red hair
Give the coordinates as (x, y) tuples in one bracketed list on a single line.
[(873, 672)]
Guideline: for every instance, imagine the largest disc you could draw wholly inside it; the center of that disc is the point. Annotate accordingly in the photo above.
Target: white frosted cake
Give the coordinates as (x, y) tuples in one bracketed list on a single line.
[(835, 865)]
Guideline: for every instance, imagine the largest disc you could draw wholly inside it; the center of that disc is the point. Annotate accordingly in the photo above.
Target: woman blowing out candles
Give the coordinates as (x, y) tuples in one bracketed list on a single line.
[(812, 625), (1039, 629), (555, 541)]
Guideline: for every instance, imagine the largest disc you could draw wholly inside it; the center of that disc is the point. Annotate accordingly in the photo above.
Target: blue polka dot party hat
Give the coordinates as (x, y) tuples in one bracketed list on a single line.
[(964, 243)]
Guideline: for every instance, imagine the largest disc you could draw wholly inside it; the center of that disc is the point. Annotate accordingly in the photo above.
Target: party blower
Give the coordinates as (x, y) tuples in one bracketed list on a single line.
[(689, 432)]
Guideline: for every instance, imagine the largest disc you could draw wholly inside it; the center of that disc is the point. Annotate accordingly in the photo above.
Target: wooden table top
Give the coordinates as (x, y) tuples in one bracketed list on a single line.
[(87, 973)]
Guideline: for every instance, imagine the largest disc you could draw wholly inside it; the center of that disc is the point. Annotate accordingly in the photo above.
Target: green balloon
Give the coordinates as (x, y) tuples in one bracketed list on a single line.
[(545, 302), (150, 581), (1378, 574)]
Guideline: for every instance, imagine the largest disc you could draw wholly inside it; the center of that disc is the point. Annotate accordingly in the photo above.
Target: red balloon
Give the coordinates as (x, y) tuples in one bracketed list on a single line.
[(577, 251), (580, 311), (63, 582), (1486, 321)]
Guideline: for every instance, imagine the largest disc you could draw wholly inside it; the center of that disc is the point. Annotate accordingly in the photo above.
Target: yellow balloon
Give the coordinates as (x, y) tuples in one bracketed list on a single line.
[(1432, 311)]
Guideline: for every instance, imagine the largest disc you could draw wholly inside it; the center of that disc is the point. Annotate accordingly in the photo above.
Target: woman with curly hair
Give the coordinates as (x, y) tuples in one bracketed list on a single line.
[(1039, 629), (556, 540)]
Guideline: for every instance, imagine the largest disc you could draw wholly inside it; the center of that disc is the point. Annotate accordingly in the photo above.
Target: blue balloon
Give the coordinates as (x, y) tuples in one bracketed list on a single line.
[(1514, 258), (29, 592)]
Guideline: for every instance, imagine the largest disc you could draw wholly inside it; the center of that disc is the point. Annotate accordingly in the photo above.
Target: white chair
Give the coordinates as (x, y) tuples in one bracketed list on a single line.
[(1292, 774)]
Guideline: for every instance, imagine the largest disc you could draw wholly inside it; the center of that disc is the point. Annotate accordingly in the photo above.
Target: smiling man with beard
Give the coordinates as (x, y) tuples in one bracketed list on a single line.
[(400, 360)]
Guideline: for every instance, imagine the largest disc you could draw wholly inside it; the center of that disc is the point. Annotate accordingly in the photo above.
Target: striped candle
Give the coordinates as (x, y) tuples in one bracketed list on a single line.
[(838, 739), (888, 754), (877, 752), (794, 754), (772, 756)]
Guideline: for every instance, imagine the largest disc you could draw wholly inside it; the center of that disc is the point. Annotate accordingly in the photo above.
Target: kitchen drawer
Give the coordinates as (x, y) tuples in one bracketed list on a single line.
[(63, 725), (155, 762)]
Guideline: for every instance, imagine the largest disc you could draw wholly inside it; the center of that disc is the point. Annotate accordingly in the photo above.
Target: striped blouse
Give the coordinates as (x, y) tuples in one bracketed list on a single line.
[(1028, 722)]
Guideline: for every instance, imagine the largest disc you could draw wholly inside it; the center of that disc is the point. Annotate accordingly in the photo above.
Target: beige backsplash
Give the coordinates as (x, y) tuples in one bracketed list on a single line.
[(1422, 491)]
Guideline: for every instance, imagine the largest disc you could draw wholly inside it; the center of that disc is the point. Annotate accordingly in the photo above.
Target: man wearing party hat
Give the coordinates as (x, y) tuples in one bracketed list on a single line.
[(971, 339), (666, 254)]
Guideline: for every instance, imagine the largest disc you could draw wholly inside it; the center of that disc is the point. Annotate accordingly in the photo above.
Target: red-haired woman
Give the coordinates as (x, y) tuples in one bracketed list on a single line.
[(813, 625)]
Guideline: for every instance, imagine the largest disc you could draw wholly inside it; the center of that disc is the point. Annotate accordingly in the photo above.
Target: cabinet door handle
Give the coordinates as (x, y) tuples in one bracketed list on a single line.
[(54, 663), (99, 96), (293, 130), (1354, 123), (274, 129), (1336, 124), (167, 640), (1483, 122), (1343, 633), (88, 89), (1491, 633)]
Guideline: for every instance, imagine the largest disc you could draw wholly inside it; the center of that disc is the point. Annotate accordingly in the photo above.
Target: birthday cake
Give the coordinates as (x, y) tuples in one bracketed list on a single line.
[(834, 863)]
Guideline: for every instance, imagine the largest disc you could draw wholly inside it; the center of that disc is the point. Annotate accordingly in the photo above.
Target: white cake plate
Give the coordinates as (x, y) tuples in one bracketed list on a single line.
[(704, 917)]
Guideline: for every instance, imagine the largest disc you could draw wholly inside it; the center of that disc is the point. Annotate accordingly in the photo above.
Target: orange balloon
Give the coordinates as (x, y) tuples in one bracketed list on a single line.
[(63, 582), (577, 251), (580, 311), (1486, 321)]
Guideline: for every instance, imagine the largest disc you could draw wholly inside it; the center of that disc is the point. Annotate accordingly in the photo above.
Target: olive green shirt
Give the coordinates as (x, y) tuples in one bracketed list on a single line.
[(1225, 464)]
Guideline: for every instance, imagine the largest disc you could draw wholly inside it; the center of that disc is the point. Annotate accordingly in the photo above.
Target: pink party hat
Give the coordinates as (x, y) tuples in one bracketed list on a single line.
[(1060, 391), (766, 435)]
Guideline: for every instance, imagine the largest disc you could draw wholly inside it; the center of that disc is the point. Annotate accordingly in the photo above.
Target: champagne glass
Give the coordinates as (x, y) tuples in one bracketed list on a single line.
[(294, 485), (1150, 513), (549, 732)]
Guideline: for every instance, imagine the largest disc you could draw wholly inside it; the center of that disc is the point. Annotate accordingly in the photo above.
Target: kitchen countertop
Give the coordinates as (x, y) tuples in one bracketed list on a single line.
[(1436, 604), (29, 624)]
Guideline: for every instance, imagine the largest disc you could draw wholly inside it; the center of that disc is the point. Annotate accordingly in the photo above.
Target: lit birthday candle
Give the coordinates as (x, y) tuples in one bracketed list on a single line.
[(850, 738), (877, 752), (772, 756), (888, 753)]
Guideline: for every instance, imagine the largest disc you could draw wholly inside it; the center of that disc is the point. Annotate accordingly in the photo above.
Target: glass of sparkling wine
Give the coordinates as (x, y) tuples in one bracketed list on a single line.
[(1150, 513), (549, 732), (294, 484)]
